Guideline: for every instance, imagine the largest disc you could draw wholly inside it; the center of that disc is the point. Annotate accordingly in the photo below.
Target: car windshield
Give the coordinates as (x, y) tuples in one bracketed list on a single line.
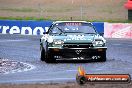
[(73, 27)]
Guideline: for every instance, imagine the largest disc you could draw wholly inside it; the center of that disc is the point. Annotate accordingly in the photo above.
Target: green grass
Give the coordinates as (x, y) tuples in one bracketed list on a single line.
[(48, 18), (23, 18), (55, 10), (112, 21), (19, 9)]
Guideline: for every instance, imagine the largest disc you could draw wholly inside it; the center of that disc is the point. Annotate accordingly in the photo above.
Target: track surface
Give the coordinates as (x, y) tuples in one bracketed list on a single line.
[(26, 49)]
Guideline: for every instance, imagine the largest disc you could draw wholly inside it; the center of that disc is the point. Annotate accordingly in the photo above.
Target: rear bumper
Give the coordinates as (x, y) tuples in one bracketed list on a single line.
[(77, 53)]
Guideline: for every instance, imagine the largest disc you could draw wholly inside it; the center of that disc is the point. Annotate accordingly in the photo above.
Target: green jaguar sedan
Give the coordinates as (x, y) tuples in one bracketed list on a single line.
[(72, 40)]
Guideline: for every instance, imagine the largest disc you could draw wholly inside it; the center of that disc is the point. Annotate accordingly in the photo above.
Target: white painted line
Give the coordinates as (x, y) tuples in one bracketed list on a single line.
[(99, 69), (121, 44), (116, 44), (40, 80), (43, 79), (71, 70), (129, 45), (14, 40), (56, 79)]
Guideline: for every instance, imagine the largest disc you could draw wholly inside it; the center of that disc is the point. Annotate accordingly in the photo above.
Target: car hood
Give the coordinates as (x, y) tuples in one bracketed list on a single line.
[(76, 38)]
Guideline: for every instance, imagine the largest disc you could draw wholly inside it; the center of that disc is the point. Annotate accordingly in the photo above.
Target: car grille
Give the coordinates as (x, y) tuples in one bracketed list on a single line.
[(78, 45)]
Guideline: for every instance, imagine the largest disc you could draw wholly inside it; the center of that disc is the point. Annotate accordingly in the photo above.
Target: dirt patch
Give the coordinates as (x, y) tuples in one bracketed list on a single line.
[(10, 66), (64, 9), (66, 85)]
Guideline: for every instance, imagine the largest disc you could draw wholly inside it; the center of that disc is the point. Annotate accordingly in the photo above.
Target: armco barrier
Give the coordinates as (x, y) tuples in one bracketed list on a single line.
[(33, 27), (118, 30)]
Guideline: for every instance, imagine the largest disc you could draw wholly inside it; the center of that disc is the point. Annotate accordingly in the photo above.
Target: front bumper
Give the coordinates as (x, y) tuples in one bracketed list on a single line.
[(76, 53)]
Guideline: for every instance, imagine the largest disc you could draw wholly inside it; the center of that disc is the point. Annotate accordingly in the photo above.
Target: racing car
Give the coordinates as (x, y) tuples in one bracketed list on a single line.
[(72, 40)]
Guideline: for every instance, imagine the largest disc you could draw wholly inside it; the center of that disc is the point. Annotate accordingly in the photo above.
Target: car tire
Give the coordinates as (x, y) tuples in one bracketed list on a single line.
[(42, 55), (103, 56), (49, 58)]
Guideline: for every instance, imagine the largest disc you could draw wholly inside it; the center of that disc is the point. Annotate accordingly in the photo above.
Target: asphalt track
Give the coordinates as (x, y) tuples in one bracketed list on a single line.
[(26, 49)]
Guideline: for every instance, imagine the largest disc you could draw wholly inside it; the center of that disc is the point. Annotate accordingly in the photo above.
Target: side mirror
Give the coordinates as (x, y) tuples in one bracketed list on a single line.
[(101, 34)]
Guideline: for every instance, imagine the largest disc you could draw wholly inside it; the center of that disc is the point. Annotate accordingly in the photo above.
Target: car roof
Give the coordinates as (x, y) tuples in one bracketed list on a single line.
[(70, 21)]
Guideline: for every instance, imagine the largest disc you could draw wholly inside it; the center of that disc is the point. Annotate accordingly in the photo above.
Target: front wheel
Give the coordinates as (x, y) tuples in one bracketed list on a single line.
[(42, 55), (50, 58), (103, 56)]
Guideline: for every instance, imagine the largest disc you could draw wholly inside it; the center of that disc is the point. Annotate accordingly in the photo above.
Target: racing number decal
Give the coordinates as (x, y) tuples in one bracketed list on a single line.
[(95, 57)]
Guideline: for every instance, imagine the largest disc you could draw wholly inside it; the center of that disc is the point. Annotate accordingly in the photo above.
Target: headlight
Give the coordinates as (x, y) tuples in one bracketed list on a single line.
[(58, 42), (98, 43)]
